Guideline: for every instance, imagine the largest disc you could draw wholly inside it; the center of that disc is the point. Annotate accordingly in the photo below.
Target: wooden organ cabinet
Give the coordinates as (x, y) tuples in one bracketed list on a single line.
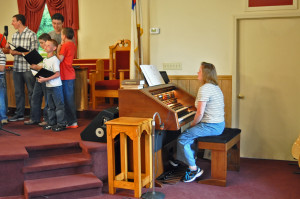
[(175, 106)]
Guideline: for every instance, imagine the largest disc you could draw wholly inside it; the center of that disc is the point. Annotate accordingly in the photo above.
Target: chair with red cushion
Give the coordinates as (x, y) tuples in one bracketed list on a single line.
[(119, 64)]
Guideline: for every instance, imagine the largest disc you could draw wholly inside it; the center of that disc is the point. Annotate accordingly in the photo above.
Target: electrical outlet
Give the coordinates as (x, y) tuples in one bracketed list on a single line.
[(172, 66), (154, 30)]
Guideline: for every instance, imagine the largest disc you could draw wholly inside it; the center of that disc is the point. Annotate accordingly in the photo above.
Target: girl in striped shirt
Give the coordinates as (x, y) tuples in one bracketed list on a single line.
[(208, 121)]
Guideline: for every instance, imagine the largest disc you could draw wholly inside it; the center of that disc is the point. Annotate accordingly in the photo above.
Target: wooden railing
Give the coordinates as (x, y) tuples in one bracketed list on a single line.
[(81, 86)]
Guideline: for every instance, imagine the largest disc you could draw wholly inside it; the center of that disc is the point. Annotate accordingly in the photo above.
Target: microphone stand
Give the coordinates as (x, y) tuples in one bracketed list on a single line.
[(1, 39), (7, 130), (153, 194)]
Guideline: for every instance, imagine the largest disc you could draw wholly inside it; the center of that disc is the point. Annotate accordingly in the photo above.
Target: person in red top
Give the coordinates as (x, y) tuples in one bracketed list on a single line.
[(65, 53)]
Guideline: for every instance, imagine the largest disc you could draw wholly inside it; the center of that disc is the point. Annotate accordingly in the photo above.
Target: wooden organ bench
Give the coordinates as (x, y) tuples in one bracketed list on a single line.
[(225, 154)]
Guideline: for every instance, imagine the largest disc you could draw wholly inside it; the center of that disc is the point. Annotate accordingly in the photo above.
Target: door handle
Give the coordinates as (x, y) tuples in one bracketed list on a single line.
[(240, 96)]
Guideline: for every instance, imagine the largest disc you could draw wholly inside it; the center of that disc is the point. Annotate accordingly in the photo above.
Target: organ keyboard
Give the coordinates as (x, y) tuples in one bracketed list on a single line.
[(175, 106)]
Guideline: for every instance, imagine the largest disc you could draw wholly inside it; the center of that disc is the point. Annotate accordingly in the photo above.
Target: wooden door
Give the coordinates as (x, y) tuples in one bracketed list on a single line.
[(268, 70)]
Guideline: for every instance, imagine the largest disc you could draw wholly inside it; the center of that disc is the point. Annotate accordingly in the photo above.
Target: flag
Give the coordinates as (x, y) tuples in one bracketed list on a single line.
[(136, 52)]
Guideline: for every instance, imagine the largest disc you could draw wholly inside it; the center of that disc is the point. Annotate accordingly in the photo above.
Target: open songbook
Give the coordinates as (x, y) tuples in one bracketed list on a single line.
[(19, 48), (43, 73), (33, 57)]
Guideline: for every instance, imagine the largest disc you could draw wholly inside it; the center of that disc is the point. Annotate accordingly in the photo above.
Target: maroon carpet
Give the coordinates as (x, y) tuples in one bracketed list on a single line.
[(257, 178)]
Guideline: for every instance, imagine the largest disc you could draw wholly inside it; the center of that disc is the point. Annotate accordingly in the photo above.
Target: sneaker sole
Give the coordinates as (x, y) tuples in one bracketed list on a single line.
[(14, 120), (47, 128), (34, 123), (196, 176), (173, 163), (72, 127), (57, 130)]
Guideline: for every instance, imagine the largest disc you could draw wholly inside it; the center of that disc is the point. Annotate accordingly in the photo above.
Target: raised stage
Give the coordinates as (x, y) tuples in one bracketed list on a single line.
[(44, 163)]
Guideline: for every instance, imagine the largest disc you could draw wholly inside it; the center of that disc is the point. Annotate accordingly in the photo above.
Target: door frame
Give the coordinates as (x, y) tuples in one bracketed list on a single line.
[(235, 71)]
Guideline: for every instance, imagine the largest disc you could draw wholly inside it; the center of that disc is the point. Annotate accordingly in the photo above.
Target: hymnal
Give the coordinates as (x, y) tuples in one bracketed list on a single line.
[(132, 86), (33, 57), (133, 82), (44, 73), (19, 48)]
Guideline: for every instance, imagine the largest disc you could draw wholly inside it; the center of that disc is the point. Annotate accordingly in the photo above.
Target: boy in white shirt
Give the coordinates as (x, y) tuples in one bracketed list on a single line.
[(54, 91)]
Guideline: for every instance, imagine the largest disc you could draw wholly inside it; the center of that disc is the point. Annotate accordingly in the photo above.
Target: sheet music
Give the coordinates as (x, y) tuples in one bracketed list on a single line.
[(152, 75)]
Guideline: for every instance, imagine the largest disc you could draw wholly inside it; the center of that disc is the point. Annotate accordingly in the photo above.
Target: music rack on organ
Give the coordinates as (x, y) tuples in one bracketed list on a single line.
[(175, 106)]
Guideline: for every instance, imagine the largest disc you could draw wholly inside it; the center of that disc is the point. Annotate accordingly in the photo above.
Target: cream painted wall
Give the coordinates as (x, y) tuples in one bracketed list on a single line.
[(193, 31), (102, 23), (8, 9)]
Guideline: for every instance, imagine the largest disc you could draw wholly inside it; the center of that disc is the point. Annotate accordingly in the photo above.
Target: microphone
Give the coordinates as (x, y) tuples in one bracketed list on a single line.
[(5, 31)]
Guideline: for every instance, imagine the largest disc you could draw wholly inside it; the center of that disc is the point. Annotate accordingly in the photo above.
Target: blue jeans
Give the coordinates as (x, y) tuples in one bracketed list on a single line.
[(69, 97), (36, 102), (21, 78), (186, 145), (3, 95), (56, 107)]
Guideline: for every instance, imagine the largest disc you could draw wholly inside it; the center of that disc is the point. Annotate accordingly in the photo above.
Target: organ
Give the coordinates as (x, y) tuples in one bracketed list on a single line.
[(175, 106)]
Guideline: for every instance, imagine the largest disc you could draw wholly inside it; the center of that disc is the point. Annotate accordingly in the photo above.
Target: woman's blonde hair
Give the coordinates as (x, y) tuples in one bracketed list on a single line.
[(209, 73)]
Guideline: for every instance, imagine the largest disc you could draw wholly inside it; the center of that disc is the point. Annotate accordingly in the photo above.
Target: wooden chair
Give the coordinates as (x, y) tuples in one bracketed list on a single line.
[(119, 64)]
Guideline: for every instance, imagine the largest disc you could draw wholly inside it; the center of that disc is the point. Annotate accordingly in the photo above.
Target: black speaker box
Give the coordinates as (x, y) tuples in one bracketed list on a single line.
[(96, 130)]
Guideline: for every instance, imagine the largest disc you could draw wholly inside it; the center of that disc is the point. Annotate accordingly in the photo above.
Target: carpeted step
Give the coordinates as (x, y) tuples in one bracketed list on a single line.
[(43, 150), (13, 197), (50, 166), (73, 186)]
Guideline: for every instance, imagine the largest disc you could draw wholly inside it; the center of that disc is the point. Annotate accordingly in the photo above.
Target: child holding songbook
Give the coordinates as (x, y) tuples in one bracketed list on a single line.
[(65, 54), (39, 91), (56, 110)]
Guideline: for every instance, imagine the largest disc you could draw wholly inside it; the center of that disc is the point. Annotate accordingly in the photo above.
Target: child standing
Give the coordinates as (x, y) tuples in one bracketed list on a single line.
[(3, 108), (39, 91), (55, 97), (65, 53)]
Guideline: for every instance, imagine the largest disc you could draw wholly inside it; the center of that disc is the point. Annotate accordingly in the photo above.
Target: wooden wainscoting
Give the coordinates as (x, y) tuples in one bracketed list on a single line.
[(191, 84)]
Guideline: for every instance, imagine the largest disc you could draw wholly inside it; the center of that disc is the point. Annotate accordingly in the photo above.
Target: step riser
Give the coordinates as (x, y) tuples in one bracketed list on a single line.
[(73, 194), (58, 172), (51, 152)]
